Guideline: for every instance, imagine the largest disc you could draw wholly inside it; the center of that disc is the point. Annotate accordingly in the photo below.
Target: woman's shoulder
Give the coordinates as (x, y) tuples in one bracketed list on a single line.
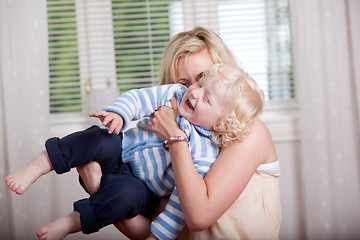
[(262, 140), (258, 145), (259, 127)]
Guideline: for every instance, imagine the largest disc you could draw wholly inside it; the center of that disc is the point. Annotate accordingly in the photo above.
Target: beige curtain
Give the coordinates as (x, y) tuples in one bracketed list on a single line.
[(24, 111), (326, 38), (24, 125)]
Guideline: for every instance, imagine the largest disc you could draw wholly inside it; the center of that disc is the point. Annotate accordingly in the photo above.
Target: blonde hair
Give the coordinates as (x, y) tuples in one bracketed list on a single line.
[(185, 43), (246, 107)]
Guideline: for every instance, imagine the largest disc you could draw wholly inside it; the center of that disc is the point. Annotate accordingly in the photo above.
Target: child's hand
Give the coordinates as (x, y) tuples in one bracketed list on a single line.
[(111, 120)]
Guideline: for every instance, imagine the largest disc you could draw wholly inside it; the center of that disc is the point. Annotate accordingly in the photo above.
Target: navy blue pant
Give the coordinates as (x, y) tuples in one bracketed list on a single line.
[(121, 194)]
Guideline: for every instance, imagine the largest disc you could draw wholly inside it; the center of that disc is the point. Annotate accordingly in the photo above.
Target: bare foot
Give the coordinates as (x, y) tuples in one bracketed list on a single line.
[(60, 228), (22, 179), (91, 174)]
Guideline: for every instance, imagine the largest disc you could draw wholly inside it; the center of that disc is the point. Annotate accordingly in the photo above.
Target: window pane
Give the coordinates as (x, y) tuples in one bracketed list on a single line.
[(141, 32), (258, 33), (65, 95)]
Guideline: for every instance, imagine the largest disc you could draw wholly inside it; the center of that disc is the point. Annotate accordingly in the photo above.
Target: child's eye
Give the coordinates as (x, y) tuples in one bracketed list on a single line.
[(206, 99)]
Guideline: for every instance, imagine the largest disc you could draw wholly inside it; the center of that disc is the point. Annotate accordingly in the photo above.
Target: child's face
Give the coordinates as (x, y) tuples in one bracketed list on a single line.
[(197, 63), (205, 102)]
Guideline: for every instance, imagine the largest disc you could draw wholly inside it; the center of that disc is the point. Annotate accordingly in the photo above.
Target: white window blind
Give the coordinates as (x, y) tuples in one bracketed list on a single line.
[(102, 43), (258, 33), (141, 32), (65, 91)]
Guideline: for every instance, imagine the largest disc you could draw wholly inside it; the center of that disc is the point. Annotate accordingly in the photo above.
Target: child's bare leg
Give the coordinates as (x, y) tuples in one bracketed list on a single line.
[(134, 228), (61, 227), (22, 179), (91, 175), (138, 227)]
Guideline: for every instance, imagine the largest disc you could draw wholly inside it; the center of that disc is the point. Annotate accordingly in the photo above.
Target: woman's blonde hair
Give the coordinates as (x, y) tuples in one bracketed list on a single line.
[(185, 43), (246, 107)]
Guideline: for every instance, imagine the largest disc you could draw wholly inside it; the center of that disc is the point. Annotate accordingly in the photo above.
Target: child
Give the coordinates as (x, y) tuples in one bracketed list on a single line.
[(223, 102)]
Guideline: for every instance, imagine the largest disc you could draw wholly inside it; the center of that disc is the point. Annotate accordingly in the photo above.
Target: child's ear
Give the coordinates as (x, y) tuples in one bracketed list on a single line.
[(216, 128)]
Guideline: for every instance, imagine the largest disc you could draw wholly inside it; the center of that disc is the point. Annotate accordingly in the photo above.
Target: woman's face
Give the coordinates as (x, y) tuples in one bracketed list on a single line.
[(197, 63)]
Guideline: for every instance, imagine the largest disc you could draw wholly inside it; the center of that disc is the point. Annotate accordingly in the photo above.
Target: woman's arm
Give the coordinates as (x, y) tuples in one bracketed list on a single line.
[(203, 201)]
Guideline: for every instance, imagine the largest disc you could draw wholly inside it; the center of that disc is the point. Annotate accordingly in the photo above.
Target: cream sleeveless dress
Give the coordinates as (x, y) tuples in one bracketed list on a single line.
[(256, 214)]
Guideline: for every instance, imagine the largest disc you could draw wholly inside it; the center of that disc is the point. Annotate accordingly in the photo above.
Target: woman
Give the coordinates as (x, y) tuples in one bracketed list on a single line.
[(238, 198)]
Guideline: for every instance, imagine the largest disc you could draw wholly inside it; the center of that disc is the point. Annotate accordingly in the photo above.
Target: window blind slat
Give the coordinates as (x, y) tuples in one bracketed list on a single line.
[(138, 57), (61, 80), (157, 38), (66, 95), (126, 4)]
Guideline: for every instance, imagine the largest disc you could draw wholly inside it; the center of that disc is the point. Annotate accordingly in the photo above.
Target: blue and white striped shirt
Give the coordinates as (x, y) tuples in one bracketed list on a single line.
[(149, 161)]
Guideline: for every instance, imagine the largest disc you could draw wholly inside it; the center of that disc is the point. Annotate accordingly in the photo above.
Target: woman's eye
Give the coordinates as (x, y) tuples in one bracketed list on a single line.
[(184, 82), (199, 76)]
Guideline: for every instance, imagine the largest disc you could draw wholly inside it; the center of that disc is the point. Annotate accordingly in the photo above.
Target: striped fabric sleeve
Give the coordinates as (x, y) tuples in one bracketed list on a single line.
[(171, 221), (138, 103)]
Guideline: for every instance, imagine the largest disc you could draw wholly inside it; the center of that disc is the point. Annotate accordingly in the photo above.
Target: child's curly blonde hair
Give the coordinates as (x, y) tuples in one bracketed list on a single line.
[(246, 107)]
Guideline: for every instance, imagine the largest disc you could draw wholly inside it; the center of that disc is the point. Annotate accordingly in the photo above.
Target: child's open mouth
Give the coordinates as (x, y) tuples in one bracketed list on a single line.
[(189, 105)]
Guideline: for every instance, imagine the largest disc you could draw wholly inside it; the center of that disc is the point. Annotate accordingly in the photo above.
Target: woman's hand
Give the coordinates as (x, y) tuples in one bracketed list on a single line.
[(163, 122)]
